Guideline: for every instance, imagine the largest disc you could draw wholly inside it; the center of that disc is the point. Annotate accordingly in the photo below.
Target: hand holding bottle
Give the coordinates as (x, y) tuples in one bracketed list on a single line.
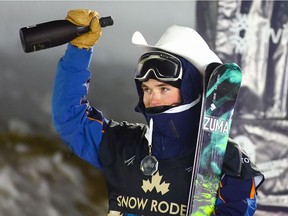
[(85, 17)]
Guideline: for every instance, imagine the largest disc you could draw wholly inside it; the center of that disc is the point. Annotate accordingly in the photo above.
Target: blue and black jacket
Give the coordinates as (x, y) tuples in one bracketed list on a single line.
[(117, 148)]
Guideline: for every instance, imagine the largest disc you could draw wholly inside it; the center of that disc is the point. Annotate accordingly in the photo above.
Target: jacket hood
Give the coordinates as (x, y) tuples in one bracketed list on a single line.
[(190, 87), (175, 130)]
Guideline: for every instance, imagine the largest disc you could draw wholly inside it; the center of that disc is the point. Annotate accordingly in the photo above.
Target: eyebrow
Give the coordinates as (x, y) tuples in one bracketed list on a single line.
[(159, 85)]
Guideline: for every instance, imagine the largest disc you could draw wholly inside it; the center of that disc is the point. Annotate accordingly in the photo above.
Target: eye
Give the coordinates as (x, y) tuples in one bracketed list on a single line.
[(164, 89), (146, 89)]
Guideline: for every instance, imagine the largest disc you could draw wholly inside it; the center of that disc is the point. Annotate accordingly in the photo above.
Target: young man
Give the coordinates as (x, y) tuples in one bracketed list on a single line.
[(148, 169)]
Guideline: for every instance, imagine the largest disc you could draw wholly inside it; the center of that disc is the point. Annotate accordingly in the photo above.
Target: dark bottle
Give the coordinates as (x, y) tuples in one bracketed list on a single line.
[(53, 33)]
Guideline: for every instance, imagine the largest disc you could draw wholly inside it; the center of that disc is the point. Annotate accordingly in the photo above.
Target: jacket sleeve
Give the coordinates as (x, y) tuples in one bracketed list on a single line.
[(238, 186), (77, 123), (236, 197)]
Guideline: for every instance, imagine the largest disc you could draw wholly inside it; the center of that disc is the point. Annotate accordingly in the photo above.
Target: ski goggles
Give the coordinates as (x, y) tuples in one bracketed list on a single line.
[(164, 66)]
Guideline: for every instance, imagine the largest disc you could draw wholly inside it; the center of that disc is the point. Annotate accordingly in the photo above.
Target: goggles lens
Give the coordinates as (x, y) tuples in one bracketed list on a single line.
[(164, 66)]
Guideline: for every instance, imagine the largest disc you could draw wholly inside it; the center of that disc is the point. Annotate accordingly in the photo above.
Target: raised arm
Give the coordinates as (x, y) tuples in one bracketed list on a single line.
[(77, 123)]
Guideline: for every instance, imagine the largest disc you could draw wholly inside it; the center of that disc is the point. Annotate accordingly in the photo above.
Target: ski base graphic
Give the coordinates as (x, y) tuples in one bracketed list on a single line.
[(219, 97)]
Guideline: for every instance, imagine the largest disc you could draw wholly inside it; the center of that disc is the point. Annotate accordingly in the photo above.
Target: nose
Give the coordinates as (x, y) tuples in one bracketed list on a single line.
[(155, 100)]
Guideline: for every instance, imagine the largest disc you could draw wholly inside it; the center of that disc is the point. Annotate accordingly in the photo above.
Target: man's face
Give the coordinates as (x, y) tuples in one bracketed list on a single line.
[(157, 93)]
